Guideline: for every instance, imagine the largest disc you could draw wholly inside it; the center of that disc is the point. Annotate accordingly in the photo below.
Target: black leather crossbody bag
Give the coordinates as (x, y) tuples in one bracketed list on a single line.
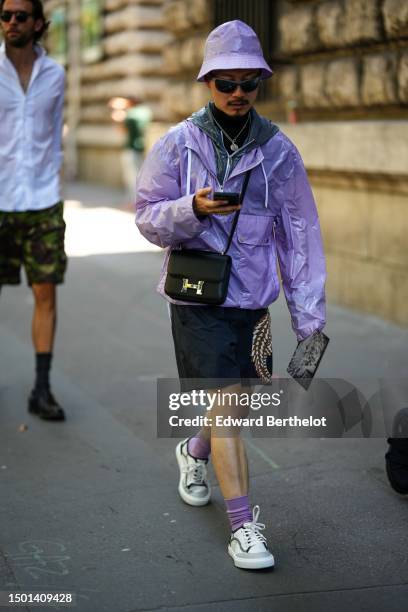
[(202, 276)]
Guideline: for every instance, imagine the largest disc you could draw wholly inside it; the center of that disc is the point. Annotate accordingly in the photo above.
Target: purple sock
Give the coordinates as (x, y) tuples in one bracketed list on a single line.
[(238, 511), (198, 447)]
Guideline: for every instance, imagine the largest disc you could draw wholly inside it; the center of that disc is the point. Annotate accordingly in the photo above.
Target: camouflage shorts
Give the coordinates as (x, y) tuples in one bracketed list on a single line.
[(34, 239)]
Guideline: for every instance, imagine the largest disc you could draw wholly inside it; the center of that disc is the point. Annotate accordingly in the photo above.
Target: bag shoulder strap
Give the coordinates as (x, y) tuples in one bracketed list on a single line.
[(241, 199)]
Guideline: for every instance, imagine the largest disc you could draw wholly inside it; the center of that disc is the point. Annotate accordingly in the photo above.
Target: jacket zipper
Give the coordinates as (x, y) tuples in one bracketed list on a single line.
[(229, 162)]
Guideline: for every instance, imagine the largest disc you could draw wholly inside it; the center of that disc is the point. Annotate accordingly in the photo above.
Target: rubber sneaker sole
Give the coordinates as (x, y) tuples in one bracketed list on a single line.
[(262, 562), (191, 500)]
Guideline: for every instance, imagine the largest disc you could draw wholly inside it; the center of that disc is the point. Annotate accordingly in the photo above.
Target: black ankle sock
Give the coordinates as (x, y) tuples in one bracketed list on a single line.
[(42, 368)]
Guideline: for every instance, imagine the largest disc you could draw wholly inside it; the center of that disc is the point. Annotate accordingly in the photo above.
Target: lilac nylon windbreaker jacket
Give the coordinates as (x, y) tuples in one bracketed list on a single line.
[(278, 220)]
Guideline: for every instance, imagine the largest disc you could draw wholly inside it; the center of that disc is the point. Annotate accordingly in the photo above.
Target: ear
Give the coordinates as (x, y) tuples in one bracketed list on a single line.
[(207, 83), (39, 23)]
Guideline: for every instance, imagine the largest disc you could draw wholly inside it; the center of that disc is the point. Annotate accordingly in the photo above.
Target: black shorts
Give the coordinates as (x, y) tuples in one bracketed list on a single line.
[(221, 345)]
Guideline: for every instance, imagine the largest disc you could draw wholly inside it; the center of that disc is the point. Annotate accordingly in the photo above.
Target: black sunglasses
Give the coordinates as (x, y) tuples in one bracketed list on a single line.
[(21, 16), (226, 86)]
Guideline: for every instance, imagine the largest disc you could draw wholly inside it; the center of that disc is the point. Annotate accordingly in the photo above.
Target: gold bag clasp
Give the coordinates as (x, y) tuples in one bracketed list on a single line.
[(187, 285)]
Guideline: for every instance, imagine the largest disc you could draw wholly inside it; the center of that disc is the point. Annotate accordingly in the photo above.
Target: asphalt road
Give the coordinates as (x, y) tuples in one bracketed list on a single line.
[(91, 506)]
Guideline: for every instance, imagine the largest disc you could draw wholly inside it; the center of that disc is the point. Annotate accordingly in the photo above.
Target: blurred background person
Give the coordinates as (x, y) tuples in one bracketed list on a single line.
[(134, 117)]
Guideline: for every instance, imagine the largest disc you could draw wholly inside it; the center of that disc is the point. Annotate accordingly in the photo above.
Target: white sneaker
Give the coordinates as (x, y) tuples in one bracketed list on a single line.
[(248, 547), (193, 486)]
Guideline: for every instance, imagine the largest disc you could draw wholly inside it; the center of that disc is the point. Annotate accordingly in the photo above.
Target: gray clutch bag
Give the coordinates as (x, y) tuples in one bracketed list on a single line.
[(306, 358)]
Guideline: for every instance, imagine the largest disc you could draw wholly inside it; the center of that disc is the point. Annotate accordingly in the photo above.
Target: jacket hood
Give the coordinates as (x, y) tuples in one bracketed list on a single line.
[(261, 131), (261, 128)]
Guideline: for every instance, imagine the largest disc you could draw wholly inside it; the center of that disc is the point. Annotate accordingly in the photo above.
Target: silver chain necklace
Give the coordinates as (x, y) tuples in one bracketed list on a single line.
[(234, 147)]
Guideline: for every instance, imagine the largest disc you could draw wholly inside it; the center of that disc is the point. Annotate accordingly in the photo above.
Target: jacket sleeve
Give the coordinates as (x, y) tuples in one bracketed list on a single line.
[(163, 215), (300, 254)]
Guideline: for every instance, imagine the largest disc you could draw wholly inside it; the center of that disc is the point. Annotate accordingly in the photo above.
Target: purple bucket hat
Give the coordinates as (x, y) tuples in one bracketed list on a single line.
[(233, 45)]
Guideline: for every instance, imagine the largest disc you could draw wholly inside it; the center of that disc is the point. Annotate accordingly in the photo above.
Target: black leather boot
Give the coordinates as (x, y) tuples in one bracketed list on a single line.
[(43, 404)]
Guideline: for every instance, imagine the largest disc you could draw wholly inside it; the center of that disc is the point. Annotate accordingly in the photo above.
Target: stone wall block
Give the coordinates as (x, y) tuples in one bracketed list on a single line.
[(313, 85), (362, 21), (99, 113), (187, 54), (342, 82), (200, 47), (176, 98), (400, 292), (330, 24), (95, 113), (171, 58), (345, 220), (289, 87), (298, 30), (134, 18), (368, 286), (176, 16), (335, 275), (113, 5), (98, 162), (379, 85), (151, 41), (183, 98), (389, 228), (395, 13), (199, 95), (403, 78), (199, 12), (191, 53), (147, 89), (347, 146), (125, 65)]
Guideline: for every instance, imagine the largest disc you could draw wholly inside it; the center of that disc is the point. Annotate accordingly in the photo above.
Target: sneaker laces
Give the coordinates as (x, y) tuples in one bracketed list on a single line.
[(197, 471), (252, 529)]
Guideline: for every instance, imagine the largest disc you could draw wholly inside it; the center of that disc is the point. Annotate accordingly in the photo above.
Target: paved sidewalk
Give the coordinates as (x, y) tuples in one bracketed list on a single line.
[(91, 506)]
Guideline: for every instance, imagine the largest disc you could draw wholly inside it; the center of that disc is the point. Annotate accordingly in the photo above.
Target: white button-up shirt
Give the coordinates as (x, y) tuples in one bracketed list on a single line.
[(30, 134)]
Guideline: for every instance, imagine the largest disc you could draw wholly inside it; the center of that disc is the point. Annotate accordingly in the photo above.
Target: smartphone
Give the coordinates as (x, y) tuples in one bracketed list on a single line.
[(231, 196)]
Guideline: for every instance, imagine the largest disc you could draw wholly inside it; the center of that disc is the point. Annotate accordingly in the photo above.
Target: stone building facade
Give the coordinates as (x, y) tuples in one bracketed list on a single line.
[(347, 55), (188, 24), (340, 91), (347, 76), (130, 63)]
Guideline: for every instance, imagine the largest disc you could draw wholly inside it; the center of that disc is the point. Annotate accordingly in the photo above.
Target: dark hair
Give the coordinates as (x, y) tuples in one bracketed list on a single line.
[(38, 13)]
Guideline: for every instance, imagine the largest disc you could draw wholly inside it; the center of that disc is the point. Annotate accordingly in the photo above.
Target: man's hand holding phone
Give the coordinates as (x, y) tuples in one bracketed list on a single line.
[(223, 203)]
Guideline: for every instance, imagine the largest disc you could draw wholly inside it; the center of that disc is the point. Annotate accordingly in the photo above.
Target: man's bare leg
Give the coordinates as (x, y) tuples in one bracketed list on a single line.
[(230, 465), (44, 317), (228, 450), (41, 401)]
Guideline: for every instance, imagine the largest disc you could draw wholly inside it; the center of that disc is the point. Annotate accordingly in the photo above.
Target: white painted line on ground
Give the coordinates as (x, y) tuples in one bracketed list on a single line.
[(263, 455)]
